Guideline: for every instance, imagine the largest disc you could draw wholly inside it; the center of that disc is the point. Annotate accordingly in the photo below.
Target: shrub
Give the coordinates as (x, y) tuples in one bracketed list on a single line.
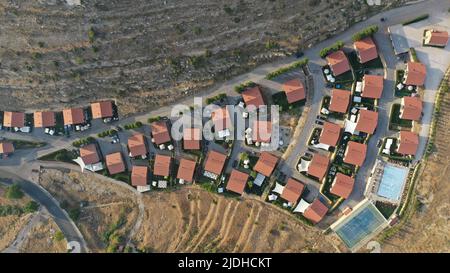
[(334, 47), (153, 119), (287, 69), (135, 125), (14, 192), (240, 88), (91, 34), (31, 207), (216, 98), (367, 32), (417, 19), (59, 236)]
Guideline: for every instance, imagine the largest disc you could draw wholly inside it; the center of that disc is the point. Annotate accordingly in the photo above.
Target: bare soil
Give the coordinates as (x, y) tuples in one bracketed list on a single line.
[(41, 238), (105, 203), (149, 53), (193, 220)]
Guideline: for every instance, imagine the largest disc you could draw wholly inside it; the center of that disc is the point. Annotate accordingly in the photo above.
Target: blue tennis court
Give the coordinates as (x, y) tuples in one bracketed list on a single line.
[(392, 182), (358, 227)]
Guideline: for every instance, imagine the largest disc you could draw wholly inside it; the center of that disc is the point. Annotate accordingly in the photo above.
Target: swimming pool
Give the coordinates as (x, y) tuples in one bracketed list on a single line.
[(362, 224), (392, 182)]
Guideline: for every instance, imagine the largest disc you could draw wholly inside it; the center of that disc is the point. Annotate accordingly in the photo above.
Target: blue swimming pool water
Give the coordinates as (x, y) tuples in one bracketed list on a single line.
[(392, 182), (360, 226)]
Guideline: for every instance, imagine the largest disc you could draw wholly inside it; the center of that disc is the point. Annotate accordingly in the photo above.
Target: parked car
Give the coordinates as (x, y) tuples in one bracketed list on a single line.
[(299, 54), (321, 117), (115, 139), (379, 143), (382, 19), (235, 163), (319, 122)]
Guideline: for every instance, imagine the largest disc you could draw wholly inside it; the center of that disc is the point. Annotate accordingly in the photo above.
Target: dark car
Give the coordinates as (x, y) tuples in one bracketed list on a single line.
[(319, 122), (235, 163), (321, 117), (382, 19), (379, 143), (299, 54)]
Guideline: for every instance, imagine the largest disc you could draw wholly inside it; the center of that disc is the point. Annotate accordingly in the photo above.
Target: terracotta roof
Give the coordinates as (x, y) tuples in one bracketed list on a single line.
[(186, 170), (102, 109), (295, 91), (367, 121), (266, 164), (338, 62), (372, 86), (221, 119), (366, 49), (330, 134), (6, 147), (89, 154), (237, 181), (340, 99), (262, 131), (44, 119), (13, 119), (161, 166), (408, 143), (114, 163), (214, 162), (318, 166), (73, 116), (160, 132), (252, 96), (139, 175), (293, 190), (316, 211), (191, 138), (342, 185), (136, 145), (415, 73), (355, 153), (412, 108), (436, 37)]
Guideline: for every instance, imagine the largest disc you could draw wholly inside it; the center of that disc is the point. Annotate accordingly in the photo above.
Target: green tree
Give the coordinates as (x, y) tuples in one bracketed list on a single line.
[(14, 192), (59, 236), (31, 207)]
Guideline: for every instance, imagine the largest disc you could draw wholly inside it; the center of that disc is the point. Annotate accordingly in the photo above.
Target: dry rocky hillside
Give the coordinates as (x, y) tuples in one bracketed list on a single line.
[(193, 220), (146, 53)]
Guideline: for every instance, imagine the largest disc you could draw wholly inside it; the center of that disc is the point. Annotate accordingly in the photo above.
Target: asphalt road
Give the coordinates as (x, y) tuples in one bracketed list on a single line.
[(38, 194)]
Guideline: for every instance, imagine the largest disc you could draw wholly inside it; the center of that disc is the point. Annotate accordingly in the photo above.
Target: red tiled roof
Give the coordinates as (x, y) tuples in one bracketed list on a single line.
[(408, 143), (262, 131), (139, 175), (342, 185), (237, 181), (295, 91), (366, 49), (338, 62), (102, 109), (191, 138), (160, 132), (44, 119), (367, 121), (13, 119), (266, 164), (252, 96), (186, 170), (340, 99), (318, 166), (316, 211), (293, 190), (412, 108), (73, 116), (372, 86), (330, 134), (436, 37), (221, 119), (415, 73), (214, 162), (115, 163), (6, 147), (89, 154), (355, 153), (161, 166), (136, 145)]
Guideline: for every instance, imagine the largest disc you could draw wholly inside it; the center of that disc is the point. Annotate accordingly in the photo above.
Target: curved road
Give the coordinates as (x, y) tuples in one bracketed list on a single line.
[(40, 195)]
